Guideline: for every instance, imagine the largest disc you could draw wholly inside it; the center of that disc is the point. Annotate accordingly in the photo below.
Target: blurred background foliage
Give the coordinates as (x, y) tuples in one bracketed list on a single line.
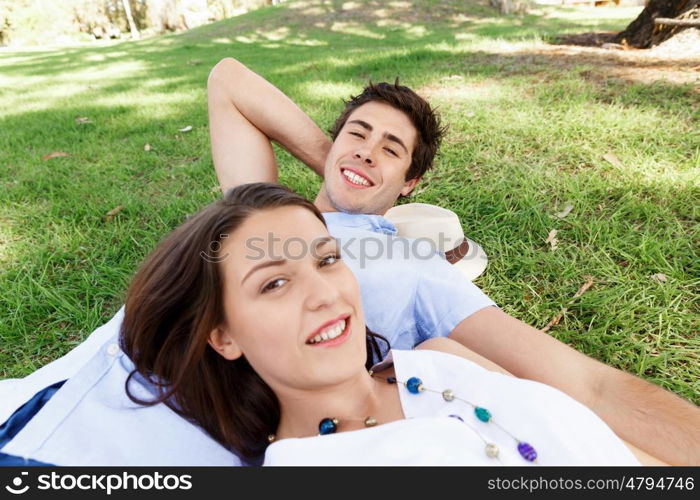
[(47, 22)]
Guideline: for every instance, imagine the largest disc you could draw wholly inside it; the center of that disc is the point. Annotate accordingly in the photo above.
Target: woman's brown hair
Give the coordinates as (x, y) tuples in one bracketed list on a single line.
[(173, 304)]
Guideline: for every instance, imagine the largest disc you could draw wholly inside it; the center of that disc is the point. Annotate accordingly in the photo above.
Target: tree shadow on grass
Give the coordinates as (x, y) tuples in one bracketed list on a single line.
[(160, 187)]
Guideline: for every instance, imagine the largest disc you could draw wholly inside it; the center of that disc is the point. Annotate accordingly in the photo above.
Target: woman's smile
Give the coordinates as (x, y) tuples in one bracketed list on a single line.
[(331, 334)]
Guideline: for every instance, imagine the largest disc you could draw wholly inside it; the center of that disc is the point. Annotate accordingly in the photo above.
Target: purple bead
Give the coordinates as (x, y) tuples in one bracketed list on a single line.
[(527, 451)]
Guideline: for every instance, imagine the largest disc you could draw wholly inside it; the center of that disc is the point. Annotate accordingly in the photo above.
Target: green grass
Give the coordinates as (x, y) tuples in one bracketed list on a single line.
[(527, 136)]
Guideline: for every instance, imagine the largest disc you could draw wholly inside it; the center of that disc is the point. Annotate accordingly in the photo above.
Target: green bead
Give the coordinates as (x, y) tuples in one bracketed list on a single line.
[(482, 414)]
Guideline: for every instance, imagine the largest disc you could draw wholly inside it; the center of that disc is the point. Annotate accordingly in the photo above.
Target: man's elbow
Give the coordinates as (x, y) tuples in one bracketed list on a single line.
[(226, 70)]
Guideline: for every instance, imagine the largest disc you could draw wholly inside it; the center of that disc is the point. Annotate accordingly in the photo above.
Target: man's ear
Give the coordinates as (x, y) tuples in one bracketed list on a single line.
[(222, 342), (408, 186)]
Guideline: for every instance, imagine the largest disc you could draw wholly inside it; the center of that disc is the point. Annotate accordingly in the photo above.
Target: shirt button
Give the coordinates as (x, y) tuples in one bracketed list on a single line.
[(113, 349)]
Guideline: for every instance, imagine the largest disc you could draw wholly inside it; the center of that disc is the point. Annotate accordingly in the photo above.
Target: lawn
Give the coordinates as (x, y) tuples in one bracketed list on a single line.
[(531, 132)]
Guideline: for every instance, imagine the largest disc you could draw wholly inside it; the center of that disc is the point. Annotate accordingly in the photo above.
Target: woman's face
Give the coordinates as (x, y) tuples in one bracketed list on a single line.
[(292, 307)]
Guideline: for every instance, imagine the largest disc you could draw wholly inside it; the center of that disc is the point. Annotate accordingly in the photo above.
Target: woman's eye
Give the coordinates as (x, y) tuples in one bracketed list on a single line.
[(329, 260), (273, 285), (357, 134), (391, 152)]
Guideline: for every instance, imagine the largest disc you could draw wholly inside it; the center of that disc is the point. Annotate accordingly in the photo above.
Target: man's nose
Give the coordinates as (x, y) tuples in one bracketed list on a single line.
[(365, 155)]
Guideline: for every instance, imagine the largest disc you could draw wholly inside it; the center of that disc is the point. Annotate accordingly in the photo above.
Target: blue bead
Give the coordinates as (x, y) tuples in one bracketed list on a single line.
[(527, 451), (482, 414), (391, 380), (327, 426), (414, 385)]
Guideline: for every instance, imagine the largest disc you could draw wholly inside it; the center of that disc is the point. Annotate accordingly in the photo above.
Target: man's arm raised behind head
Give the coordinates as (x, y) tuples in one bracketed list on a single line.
[(641, 413), (246, 113)]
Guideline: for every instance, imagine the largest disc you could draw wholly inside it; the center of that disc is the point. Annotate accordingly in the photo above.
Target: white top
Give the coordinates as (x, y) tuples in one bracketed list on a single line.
[(562, 430)]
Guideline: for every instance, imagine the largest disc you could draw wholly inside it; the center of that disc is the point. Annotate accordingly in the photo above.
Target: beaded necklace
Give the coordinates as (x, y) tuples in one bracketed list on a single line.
[(414, 385)]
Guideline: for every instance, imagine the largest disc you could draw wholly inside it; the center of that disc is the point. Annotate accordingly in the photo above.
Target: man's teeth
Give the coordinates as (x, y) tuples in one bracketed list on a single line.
[(355, 179), (329, 333)]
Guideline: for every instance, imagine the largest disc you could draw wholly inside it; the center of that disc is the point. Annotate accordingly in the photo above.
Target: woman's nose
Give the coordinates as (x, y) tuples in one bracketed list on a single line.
[(321, 292)]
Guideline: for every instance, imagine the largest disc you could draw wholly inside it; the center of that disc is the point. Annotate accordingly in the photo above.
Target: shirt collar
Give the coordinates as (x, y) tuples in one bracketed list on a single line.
[(370, 222)]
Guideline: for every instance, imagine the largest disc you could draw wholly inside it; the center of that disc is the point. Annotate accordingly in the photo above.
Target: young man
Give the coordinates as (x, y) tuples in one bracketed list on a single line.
[(383, 142)]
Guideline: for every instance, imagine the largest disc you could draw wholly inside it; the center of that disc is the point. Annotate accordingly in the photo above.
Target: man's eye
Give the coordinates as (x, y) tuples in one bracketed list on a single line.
[(329, 260), (274, 284), (357, 134), (391, 152)]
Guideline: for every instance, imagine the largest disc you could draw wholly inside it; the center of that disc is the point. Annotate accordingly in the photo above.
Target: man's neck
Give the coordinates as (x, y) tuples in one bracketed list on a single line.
[(323, 203)]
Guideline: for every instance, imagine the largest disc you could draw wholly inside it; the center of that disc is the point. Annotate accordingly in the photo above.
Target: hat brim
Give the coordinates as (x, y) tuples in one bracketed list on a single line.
[(474, 263)]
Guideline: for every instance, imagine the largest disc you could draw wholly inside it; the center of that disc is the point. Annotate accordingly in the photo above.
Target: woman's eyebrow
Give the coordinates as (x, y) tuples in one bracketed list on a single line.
[(263, 265), (319, 242)]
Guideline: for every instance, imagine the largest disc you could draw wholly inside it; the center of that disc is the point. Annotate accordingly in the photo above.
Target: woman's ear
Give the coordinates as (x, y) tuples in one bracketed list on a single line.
[(222, 342)]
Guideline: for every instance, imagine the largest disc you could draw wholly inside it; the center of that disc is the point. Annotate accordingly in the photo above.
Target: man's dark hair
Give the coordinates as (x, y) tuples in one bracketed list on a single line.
[(422, 115)]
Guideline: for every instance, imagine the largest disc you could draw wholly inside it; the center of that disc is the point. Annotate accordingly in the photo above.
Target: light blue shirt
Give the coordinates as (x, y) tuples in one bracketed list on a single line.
[(408, 296), (410, 293)]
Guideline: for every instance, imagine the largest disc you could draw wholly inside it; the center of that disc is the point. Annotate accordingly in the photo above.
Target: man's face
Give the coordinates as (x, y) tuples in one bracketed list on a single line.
[(366, 166)]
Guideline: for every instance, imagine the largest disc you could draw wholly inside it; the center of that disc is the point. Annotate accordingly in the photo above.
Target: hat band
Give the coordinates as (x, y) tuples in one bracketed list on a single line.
[(458, 253)]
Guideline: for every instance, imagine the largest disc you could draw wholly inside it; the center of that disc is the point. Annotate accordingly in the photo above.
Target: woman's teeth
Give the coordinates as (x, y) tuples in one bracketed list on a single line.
[(329, 333), (355, 179)]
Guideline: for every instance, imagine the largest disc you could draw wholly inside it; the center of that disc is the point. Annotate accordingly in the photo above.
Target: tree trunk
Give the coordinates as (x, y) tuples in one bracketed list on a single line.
[(510, 6), (643, 32), (135, 35)]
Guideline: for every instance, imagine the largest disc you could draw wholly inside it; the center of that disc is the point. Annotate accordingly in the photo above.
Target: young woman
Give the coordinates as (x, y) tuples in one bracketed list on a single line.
[(247, 322)]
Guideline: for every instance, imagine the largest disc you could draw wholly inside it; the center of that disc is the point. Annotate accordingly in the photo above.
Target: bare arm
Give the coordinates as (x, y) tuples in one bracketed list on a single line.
[(451, 347), (651, 418), (246, 113)]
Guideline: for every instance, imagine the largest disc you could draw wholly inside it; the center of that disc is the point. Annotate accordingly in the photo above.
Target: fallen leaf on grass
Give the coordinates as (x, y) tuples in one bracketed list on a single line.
[(185, 129), (82, 119), (556, 319), (55, 154), (110, 215), (660, 277), (583, 289), (567, 210), (613, 160), (552, 239), (147, 147)]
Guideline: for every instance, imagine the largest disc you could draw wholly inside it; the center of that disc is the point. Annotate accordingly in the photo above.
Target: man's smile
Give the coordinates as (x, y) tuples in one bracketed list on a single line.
[(355, 178)]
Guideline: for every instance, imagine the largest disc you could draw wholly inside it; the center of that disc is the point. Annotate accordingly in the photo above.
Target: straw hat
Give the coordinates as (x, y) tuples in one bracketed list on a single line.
[(441, 227)]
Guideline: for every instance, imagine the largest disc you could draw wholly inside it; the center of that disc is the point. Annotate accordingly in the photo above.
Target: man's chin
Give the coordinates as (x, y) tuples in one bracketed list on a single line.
[(350, 208)]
